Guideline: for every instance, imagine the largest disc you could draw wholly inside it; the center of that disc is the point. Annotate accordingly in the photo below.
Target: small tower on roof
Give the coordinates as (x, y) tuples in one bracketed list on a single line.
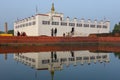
[(52, 9)]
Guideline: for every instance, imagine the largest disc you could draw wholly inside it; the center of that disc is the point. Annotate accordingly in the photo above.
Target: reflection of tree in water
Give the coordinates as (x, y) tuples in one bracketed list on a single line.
[(117, 54)]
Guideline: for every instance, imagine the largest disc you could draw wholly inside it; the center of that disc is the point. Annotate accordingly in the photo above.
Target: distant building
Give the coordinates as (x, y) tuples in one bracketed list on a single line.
[(54, 24)]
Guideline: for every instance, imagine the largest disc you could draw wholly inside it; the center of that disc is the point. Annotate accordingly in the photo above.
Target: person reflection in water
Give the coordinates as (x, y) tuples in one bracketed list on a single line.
[(53, 56), (72, 53)]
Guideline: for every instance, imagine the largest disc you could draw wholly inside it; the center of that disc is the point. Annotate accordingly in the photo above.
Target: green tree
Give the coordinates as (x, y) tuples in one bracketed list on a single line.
[(116, 28), (11, 32), (1, 32), (117, 54)]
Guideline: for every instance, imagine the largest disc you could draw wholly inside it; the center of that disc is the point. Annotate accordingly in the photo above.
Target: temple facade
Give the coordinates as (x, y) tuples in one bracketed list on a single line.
[(54, 24)]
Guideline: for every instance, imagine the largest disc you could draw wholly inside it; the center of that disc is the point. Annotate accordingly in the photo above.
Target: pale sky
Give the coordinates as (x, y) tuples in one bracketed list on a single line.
[(10, 10)]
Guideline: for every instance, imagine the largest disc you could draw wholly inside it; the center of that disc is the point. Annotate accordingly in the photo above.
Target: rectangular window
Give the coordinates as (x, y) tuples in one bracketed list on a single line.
[(98, 26), (92, 57), (55, 60), (71, 24), (23, 25), (79, 25), (33, 60), (29, 59), (98, 57), (71, 59), (104, 56), (63, 59), (92, 26), (29, 23), (55, 23), (63, 24), (26, 24), (104, 26), (45, 61), (20, 26), (86, 25), (46, 22), (33, 23), (15, 26), (26, 58), (86, 58), (78, 58)]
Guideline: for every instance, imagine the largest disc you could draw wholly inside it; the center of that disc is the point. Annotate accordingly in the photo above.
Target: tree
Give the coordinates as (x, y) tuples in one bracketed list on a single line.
[(11, 32), (1, 32), (116, 28)]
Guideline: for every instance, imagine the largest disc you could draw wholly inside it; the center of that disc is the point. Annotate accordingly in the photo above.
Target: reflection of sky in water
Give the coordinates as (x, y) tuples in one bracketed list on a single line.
[(12, 69)]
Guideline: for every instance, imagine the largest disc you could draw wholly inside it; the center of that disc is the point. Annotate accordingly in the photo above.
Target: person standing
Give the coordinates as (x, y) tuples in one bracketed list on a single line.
[(55, 31), (72, 31), (52, 32), (18, 33)]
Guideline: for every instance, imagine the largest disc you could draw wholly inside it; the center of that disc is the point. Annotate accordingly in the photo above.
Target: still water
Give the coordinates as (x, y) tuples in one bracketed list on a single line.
[(59, 63)]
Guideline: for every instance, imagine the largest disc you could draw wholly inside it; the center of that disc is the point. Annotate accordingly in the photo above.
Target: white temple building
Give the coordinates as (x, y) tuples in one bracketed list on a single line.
[(54, 24)]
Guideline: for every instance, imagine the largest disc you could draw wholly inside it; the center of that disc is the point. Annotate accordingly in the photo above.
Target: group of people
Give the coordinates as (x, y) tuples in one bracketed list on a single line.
[(53, 55), (53, 32), (21, 34), (69, 34)]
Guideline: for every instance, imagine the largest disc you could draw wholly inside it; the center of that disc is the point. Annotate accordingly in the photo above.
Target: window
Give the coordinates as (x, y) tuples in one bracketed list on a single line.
[(79, 25), (33, 60), (104, 56), (46, 22), (15, 26), (29, 23), (63, 59), (29, 59), (71, 24), (86, 58), (33, 23), (55, 60), (23, 25), (104, 26), (92, 57), (78, 58), (63, 24), (92, 26), (98, 26), (45, 61), (26, 24), (71, 59), (20, 26), (86, 25), (55, 23), (98, 57)]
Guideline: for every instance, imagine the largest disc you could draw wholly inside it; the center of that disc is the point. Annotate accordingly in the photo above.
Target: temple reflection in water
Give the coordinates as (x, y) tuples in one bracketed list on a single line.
[(55, 60)]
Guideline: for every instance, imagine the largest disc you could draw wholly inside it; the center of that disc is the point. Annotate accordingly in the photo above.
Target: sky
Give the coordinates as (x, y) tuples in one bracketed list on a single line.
[(10, 10)]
